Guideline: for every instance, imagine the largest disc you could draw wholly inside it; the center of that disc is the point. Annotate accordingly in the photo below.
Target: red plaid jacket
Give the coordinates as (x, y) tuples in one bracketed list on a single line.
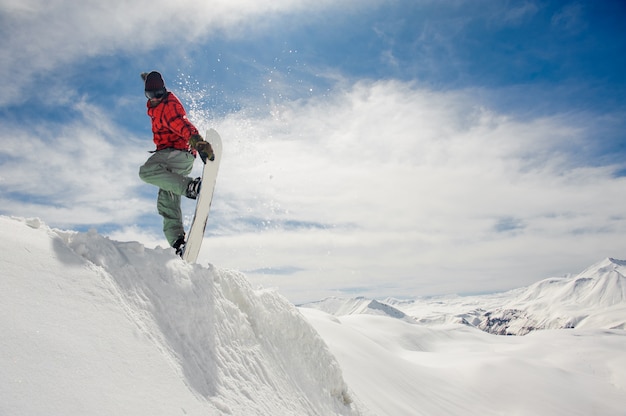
[(170, 125)]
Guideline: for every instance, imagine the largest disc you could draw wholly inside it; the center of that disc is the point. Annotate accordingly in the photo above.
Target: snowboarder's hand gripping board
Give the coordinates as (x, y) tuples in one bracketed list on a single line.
[(204, 148)]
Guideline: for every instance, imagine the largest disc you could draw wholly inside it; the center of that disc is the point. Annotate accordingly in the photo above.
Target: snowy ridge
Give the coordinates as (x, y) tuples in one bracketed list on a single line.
[(595, 299), (185, 339), (359, 305), (603, 284)]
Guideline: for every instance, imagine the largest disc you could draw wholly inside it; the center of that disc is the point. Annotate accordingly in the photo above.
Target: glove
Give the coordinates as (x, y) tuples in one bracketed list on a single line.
[(194, 139), (205, 151), (204, 148)]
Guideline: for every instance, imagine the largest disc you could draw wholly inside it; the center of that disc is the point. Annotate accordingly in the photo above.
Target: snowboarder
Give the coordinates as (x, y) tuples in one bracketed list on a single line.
[(177, 142)]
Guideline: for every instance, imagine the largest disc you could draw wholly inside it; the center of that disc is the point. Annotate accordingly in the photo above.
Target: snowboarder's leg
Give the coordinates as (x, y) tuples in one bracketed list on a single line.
[(168, 169), (168, 205)]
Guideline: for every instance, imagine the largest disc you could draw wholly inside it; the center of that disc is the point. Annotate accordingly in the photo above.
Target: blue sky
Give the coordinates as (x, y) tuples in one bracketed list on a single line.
[(377, 148)]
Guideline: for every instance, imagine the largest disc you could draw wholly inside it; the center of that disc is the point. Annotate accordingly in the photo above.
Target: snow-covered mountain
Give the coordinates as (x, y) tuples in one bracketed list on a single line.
[(595, 298), (359, 305), (92, 326)]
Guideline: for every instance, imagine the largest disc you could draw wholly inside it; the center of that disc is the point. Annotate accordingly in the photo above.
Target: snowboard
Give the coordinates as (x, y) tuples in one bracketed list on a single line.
[(203, 202)]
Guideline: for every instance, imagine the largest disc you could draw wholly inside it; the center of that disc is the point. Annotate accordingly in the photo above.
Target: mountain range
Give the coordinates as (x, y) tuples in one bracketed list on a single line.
[(595, 298)]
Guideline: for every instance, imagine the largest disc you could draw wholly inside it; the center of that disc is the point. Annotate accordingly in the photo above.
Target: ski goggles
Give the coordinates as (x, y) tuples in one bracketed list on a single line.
[(160, 93)]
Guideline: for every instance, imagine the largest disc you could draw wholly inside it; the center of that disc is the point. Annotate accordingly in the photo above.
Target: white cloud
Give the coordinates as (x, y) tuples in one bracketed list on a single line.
[(81, 172), (401, 186), (40, 36), (380, 188), (380, 185)]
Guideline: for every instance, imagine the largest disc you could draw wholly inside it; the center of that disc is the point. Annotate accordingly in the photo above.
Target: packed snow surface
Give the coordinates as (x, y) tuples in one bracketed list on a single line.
[(92, 326)]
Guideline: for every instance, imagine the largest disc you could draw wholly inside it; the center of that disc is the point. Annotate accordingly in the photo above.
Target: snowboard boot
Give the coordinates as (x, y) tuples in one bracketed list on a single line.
[(193, 188), (179, 245)]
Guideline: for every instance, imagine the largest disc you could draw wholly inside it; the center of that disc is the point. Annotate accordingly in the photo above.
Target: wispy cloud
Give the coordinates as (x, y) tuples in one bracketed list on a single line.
[(569, 19), (41, 36), (411, 179), (80, 172)]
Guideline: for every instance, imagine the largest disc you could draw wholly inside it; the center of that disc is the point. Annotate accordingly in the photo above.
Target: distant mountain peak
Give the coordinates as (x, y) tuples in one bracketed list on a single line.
[(357, 305), (608, 264)]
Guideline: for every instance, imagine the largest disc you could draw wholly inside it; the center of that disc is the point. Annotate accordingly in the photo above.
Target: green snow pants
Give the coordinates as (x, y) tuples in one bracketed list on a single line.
[(168, 169)]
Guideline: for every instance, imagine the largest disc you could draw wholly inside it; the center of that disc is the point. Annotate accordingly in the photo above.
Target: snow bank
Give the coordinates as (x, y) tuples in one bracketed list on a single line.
[(99, 327)]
